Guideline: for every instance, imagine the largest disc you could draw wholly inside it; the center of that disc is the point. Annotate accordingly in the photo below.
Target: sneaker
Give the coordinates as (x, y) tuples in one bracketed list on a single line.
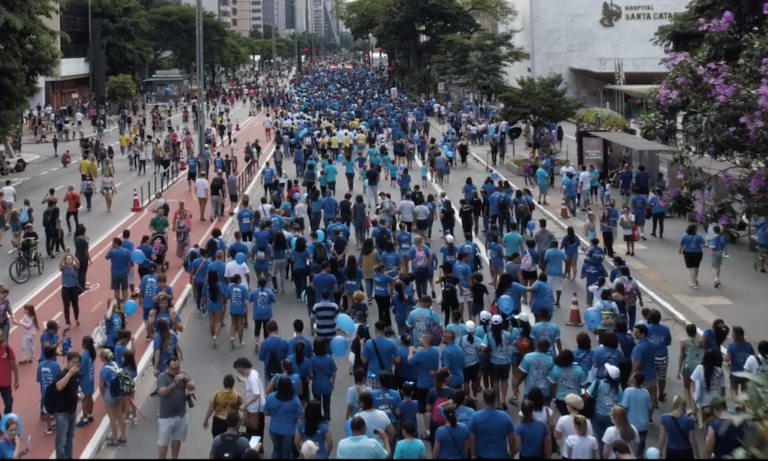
[(82, 423), (50, 430)]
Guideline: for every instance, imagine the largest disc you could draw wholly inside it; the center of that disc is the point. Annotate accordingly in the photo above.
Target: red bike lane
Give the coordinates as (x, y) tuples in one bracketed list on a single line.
[(48, 304)]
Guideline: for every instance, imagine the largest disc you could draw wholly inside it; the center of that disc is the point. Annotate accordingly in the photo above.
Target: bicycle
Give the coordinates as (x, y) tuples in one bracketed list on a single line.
[(20, 269)]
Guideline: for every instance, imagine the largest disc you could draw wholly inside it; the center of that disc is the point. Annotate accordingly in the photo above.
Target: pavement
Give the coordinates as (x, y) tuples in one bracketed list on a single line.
[(43, 291), (207, 366)]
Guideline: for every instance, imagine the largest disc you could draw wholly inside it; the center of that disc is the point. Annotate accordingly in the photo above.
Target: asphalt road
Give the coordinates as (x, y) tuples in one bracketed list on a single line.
[(208, 366), (47, 172)]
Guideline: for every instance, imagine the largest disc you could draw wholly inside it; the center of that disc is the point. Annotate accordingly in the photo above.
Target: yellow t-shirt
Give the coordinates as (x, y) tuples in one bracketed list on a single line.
[(84, 166), (334, 142), (323, 140), (123, 140), (361, 138), (345, 141)]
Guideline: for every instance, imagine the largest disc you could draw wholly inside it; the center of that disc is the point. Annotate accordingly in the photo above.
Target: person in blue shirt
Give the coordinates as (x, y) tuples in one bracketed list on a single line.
[(679, 434), (644, 359), (532, 435), (120, 259), (535, 370), (379, 354), (87, 379), (491, 432), (426, 360), (737, 353), (323, 375), (299, 257), (403, 240), (638, 205), (625, 182), (570, 185), (390, 258), (554, 260), (330, 173), (607, 393), (498, 345), (315, 429), (542, 181), (382, 291), (660, 336), (658, 204), (330, 207), (718, 244), (47, 372), (638, 404), (215, 295), (262, 299), (567, 377), (197, 275), (692, 248), (165, 345), (148, 288), (452, 358), (284, 409), (591, 272), (237, 295)]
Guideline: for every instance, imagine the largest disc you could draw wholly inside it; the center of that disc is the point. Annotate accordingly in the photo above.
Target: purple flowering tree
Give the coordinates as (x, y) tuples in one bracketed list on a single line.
[(713, 107)]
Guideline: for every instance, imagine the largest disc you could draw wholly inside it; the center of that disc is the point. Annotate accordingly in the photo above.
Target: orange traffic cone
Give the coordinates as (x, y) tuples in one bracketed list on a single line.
[(574, 320), (250, 113), (563, 209), (136, 205), (182, 165), (237, 125)]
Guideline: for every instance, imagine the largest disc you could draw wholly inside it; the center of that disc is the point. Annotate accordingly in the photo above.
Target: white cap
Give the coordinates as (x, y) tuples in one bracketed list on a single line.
[(496, 320), (470, 326), (523, 317), (485, 316), (613, 371), (449, 238)]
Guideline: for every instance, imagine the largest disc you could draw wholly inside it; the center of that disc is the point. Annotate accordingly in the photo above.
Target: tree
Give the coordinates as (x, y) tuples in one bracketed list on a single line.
[(125, 25), (121, 88), (714, 104), (174, 30), (538, 101), (264, 33), (28, 50)]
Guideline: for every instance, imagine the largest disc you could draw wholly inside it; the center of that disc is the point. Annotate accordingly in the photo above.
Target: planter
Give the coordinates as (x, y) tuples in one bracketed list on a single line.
[(514, 168)]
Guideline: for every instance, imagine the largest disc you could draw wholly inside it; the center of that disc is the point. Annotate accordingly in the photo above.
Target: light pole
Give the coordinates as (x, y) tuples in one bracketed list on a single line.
[(200, 81), (274, 37)]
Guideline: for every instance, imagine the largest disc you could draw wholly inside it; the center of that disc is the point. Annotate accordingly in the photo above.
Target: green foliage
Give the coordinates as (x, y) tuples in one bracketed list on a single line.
[(753, 415), (121, 88), (538, 101), (173, 30), (604, 119), (28, 50), (125, 25)]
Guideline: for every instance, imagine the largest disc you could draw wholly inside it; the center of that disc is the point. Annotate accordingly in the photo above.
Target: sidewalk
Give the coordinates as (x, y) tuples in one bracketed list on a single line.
[(660, 268)]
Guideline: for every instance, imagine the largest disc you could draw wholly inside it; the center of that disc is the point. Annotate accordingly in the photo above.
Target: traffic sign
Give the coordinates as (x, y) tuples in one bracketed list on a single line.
[(440, 88)]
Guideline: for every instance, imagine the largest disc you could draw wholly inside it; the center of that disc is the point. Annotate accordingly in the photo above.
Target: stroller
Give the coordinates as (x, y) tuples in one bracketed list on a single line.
[(160, 246)]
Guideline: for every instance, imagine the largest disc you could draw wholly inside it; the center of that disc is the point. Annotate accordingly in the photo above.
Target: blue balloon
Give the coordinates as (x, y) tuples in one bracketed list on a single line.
[(293, 243), (320, 235), (652, 453), (339, 346), (304, 197), (340, 158), (137, 256), (365, 183), (495, 176), (531, 226), (345, 323), (485, 137), (9, 416), (297, 196), (415, 137), (129, 307), (401, 168), (348, 428), (449, 154), (593, 318), (240, 258), (506, 304)]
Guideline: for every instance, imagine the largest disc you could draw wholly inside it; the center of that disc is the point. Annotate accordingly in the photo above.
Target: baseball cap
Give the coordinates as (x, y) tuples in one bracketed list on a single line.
[(219, 172), (485, 316), (496, 320), (523, 317), (613, 371), (449, 238), (470, 326)]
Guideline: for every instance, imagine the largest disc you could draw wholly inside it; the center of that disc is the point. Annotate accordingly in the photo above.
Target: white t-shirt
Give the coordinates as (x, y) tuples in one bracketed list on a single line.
[(9, 194), (406, 211), (567, 169), (544, 415), (265, 210), (585, 180), (201, 187), (625, 222), (233, 268), (375, 420), (254, 386), (753, 366), (300, 210), (565, 426), (581, 447), (612, 434)]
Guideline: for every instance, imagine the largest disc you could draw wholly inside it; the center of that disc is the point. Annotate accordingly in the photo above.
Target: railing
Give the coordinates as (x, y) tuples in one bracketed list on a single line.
[(245, 177), (159, 182)]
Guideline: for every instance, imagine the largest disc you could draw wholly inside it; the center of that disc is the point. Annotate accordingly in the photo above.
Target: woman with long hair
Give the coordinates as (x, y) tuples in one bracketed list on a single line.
[(451, 440), (580, 445), (215, 300), (606, 231), (286, 368), (621, 430), (300, 256), (401, 302), (284, 409), (691, 353), (85, 376), (323, 375), (738, 352), (708, 381), (571, 245), (367, 262), (279, 261), (441, 390), (223, 402), (532, 435), (677, 433), (567, 377), (69, 267), (447, 218), (113, 403), (521, 333), (315, 429), (165, 345), (714, 337), (108, 189), (497, 344), (353, 279), (301, 364)]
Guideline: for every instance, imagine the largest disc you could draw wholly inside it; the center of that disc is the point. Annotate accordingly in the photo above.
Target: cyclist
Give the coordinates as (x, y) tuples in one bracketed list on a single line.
[(29, 242)]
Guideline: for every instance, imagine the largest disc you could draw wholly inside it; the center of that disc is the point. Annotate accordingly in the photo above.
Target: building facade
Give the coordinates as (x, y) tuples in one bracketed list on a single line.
[(589, 42), (240, 13), (221, 8)]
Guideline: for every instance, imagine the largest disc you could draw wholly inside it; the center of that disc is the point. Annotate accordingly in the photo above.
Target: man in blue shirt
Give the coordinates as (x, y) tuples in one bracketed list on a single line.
[(625, 183), (324, 280), (570, 185), (379, 353), (542, 180), (330, 208), (192, 163), (245, 221), (644, 360), (554, 260), (360, 446), (491, 432), (120, 259), (642, 180), (591, 272), (452, 357)]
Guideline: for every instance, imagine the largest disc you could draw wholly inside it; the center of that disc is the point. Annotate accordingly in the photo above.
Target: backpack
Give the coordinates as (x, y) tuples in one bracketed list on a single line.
[(273, 363), (630, 295), (99, 334), (693, 355), (420, 259), (437, 418), (524, 345), (391, 207), (192, 255), (228, 447), (527, 263), (261, 254), (319, 255), (436, 330), (588, 411), (122, 384), (24, 215), (383, 237)]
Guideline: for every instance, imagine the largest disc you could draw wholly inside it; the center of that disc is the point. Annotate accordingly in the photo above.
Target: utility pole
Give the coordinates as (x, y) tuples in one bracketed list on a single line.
[(200, 81), (274, 36)]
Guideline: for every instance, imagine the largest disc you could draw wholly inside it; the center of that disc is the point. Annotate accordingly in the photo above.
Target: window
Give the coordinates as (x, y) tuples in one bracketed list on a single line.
[(234, 11), (234, 23), (255, 10)]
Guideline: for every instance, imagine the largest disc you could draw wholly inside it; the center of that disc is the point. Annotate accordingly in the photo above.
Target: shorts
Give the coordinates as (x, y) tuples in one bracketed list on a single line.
[(465, 299), (555, 282), (477, 308), (627, 238), (171, 429), (422, 224), (530, 275), (500, 371), (660, 365), (717, 259), (110, 401), (131, 276), (119, 282), (737, 380), (693, 259), (624, 191), (649, 383), (420, 395), (471, 373), (191, 175), (543, 189), (232, 198)]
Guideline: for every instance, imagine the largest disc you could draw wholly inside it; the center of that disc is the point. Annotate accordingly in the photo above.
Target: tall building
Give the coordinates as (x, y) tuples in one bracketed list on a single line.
[(221, 8), (72, 78), (240, 12), (257, 14), (320, 20)]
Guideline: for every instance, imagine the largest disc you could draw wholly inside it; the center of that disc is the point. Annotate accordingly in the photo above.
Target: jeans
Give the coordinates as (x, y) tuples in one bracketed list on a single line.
[(65, 432), (6, 393), (314, 220), (369, 288), (278, 274), (82, 272), (216, 206), (70, 296), (658, 220), (350, 180), (77, 221), (300, 280), (282, 445), (600, 424), (198, 295), (325, 400), (422, 281), (88, 196)]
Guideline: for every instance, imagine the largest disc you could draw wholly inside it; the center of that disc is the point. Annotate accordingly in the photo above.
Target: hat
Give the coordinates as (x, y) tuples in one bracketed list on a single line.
[(470, 326), (485, 316), (496, 320), (449, 238), (523, 317), (613, 371)]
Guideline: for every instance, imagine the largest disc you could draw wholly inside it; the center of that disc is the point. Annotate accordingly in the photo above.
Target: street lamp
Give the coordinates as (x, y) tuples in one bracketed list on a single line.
[(200, 80)]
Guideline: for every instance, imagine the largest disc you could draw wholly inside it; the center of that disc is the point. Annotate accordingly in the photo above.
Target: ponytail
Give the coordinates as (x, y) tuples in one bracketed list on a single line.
[(449, 413), (299, 352)]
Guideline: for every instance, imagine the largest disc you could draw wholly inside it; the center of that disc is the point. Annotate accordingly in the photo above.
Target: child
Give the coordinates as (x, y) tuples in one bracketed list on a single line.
[(409, 447), (47, 372), (457, 325), (391, 174), (359, 307), (129, 406), (424, 175), (645, 313), (15, 228), (123, 344), (409, 408), (605, 192), (354, 391), (31, 328), (479, 291)]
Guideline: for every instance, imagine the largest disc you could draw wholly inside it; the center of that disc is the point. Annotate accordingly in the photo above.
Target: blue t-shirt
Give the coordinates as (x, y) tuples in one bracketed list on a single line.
[(410, 449), (451, 357), (554, 258), (262, 300), (318, 438), (660, 336), (604, 355), (452, 440), (420, 321), (7, 448), (692, 243), (605, 397), (637, 401), (165, 355), (537, 367), (47, 372), (645, 352), (213, 303), (381, 284), (532, 436), (425, 361), (739, 354), (548, 331), (120, 257), (387, 350), (108, 373), (238, 297), (323, 281), (323, 368), (677, 431), (569, 380), (491, 429), (283, 414)]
